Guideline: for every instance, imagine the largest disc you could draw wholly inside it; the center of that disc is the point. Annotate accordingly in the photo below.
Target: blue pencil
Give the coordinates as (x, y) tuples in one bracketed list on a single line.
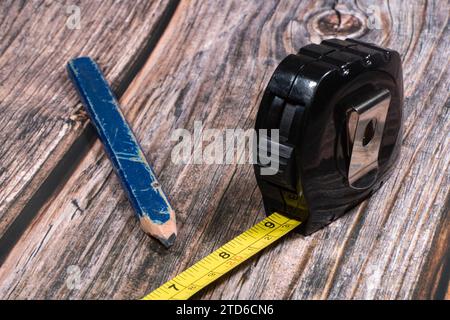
[(152, 208)]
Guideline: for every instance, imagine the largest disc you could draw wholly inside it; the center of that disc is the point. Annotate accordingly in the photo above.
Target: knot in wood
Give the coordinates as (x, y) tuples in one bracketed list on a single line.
[(332, 23)]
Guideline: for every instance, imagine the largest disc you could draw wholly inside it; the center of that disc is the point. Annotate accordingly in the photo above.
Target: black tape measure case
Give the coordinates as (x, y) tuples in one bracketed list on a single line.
[(338, 109)]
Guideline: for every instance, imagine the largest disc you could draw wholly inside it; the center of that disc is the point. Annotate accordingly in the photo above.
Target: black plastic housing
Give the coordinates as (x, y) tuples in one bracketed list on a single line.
[(305, 100)]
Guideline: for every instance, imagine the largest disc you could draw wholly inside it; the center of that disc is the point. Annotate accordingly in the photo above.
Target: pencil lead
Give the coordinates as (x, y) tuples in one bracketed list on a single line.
[(169, 241)]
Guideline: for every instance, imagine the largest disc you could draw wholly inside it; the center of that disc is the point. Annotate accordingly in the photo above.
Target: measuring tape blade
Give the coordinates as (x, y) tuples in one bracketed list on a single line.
[(224, 259)]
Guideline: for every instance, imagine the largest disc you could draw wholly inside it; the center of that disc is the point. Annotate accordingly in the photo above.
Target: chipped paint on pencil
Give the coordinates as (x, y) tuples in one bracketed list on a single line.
[(152, 208)]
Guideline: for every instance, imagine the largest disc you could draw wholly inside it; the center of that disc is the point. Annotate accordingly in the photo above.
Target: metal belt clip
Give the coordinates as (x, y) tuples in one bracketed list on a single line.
[(365, 125)]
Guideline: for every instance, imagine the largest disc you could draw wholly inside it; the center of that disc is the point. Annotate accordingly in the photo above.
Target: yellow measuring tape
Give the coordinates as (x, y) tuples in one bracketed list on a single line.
[(224, 259)]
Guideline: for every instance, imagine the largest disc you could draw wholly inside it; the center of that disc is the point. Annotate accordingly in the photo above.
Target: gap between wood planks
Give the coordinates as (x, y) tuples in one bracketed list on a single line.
[(76, 152)]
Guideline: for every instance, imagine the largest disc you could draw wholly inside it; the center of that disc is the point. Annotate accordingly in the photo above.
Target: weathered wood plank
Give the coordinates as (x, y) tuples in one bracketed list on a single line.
[(39, 110), (212, 65)]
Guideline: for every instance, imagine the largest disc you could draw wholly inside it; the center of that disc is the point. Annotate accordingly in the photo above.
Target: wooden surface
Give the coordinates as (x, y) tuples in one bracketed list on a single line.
[(211, 64), (40, 111)]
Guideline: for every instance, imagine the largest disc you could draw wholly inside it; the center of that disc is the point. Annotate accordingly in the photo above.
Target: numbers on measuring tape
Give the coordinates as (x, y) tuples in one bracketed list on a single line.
[(226, 258), (224, 255), (235, 260), (269, 224), (173, 286)]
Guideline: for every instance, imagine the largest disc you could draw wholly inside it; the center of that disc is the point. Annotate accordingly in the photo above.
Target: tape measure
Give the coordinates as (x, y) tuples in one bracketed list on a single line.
[(331, 117), (225, 258), (336, 108)]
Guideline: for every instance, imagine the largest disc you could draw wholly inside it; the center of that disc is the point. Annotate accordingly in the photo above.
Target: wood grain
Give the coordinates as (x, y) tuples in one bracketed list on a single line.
[(212, 64), (40, 113)]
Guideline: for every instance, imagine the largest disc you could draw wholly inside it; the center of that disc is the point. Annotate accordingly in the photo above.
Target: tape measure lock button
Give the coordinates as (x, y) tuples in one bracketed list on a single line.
[(338, 110)]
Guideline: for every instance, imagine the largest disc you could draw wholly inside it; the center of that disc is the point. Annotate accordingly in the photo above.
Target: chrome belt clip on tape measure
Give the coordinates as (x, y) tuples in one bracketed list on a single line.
[(338, 109)]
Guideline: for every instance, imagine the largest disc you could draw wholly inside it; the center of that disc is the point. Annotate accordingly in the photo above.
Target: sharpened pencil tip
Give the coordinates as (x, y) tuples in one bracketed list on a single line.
[(169, 241)]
